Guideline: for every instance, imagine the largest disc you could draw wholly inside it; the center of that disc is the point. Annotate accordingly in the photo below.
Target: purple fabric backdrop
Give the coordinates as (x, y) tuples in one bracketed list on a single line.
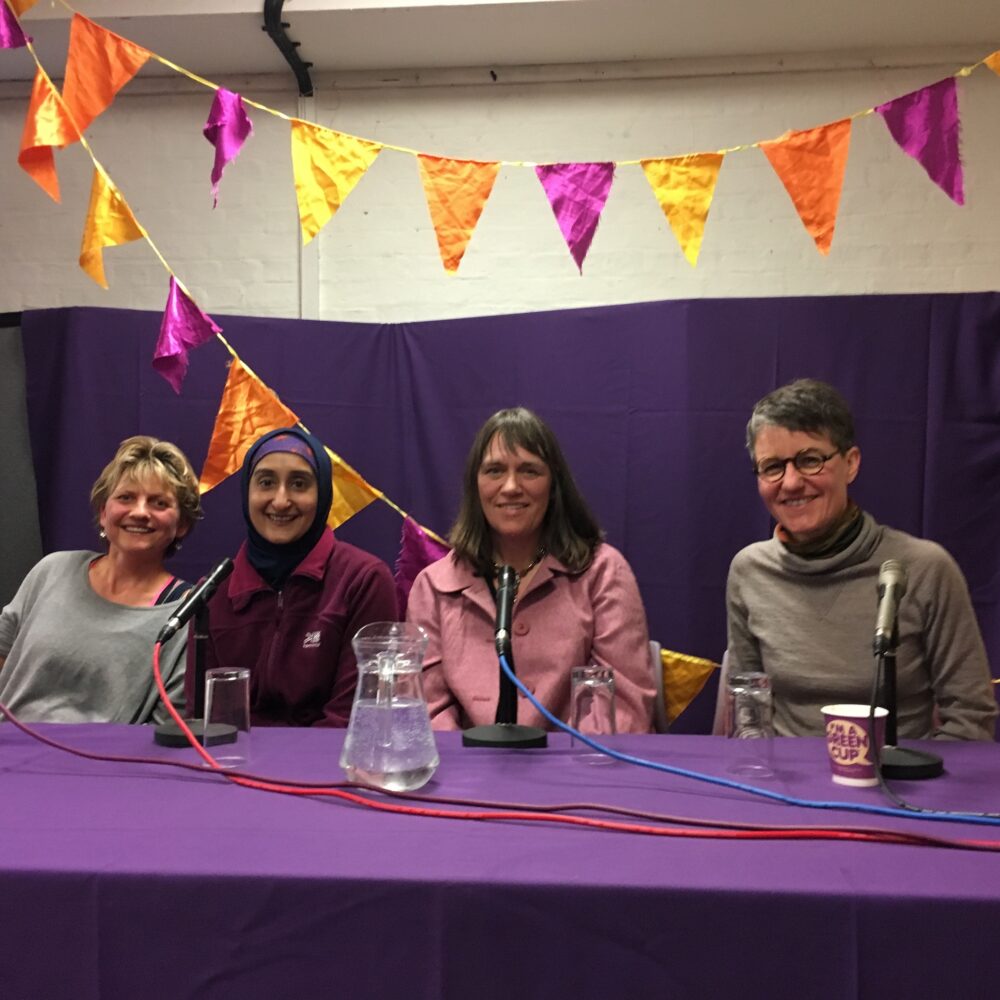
[(649, 401)]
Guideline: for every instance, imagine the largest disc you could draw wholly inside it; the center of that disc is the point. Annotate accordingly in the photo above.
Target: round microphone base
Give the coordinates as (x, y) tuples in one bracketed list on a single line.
[(505, 736), (910, 765), (168, 734)]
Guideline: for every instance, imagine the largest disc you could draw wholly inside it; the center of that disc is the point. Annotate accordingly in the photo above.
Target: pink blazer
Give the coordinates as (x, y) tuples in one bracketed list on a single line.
[(561, 620)]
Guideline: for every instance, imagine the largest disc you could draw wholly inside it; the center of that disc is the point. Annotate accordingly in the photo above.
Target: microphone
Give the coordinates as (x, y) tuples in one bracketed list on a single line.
[(505, 733), (196, 598), (507, 584), (891, 588)]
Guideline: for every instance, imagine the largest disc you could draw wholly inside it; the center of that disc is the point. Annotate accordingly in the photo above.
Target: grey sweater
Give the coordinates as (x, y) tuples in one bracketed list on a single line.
[(809, 624), (72, 656)]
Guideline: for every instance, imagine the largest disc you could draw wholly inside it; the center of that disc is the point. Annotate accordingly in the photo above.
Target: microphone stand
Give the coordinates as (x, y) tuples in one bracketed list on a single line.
[(168, 734), (894, 761), (505, 733)]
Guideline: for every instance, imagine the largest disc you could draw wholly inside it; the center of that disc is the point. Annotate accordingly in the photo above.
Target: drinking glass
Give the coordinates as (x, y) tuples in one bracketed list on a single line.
[(750, 708), (592, 705), (227, 703)]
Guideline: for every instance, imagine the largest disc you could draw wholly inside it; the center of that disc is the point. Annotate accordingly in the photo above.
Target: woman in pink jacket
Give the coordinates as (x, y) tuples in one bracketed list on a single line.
[(577, 600)]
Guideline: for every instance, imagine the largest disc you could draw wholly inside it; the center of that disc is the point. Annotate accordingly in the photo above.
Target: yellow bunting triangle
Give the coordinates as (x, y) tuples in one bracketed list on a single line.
[(811, 165), (684, 186), (326, 165), (99, 63), (248, 409), (351, 492), (683, 677), (45, 125), (110, 223), (456, 192)]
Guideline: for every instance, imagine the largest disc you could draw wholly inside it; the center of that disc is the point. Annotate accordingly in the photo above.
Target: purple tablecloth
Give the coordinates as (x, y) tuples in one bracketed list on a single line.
[(126, 880)]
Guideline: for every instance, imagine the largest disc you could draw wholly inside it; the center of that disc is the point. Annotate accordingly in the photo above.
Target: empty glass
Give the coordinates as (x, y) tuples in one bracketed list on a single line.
[(749, 716), (749, 706), (227, 703), (592, 705)]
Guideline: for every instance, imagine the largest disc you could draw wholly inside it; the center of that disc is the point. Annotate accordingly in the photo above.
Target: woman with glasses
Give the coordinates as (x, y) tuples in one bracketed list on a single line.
[(802, 605)]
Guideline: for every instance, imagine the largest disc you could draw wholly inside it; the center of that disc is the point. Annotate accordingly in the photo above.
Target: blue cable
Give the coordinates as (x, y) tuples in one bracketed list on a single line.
[(739, 785)]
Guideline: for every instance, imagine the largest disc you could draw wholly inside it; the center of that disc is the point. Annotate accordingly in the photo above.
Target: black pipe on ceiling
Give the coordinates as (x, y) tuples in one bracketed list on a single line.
[(275, 29)]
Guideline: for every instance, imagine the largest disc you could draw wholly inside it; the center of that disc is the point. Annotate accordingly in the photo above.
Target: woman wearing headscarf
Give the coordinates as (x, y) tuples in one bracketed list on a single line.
[(577, 601), (297, 595), (76, 641)]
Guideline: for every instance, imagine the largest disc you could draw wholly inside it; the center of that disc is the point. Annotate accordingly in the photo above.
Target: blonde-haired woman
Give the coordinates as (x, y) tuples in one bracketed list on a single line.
[(76, 640)]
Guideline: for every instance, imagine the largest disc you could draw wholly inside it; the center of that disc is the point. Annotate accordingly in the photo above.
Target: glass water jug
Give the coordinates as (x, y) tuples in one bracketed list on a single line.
[(389, 740)]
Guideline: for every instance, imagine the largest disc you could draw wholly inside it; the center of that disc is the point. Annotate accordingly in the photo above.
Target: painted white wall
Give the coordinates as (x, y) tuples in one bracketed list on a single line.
[(378, 261)]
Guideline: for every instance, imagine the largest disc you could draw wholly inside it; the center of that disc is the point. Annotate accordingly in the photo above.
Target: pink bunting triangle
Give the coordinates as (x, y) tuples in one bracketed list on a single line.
[(11, 35), (416, 550), (925, 123), (227, 128), (577, 193), (184, 328)]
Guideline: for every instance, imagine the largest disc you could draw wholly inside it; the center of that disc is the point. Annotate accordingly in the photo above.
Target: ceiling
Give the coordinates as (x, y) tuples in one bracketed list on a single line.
[(224, 37)]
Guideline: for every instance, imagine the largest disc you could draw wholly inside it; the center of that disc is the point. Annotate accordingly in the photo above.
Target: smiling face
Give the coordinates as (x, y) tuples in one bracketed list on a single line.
[(514, 491), (807, 507), (141, 517), (283, 497)]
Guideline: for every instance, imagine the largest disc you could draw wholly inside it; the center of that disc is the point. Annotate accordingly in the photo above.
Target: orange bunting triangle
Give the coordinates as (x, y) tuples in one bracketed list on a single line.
[(351, 492), (46, 125), (98, 65), (110, 223), (993, 61), (248, 409), (326, 165), (684, 187), (20, 6), (456, 192), (811, 165)]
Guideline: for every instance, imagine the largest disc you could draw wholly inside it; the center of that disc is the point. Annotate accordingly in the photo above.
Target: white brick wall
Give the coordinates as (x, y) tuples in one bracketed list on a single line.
[(378, 260)]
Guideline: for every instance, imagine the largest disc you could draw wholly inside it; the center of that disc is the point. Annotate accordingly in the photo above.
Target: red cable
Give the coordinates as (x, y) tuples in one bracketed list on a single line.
[(719, 830), (818, 833)]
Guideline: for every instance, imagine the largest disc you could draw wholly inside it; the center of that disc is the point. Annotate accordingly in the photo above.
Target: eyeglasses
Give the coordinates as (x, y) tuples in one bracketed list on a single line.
[(809, 463)]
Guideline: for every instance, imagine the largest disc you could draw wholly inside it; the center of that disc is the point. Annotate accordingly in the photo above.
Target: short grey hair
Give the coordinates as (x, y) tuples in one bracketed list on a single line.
[(804, 405)]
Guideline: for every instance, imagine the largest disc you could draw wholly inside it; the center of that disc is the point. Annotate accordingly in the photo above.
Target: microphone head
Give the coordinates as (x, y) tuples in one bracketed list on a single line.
[(892, 573)]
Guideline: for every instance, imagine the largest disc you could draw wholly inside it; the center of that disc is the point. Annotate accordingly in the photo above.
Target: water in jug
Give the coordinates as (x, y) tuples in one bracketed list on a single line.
[(389, 740)]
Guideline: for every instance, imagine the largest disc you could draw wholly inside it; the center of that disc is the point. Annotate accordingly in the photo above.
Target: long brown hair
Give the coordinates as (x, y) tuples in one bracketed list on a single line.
[(570, 531)]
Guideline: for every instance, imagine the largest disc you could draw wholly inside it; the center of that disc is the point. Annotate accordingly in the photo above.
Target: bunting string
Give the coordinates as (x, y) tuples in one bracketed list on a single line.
[(328, 164)]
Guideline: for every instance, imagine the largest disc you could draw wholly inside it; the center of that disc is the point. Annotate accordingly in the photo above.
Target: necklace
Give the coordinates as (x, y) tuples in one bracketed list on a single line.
[(539, 556)]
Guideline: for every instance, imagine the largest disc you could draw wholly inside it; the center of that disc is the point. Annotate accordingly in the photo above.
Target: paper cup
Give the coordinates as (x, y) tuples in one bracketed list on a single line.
[(848, 743)]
